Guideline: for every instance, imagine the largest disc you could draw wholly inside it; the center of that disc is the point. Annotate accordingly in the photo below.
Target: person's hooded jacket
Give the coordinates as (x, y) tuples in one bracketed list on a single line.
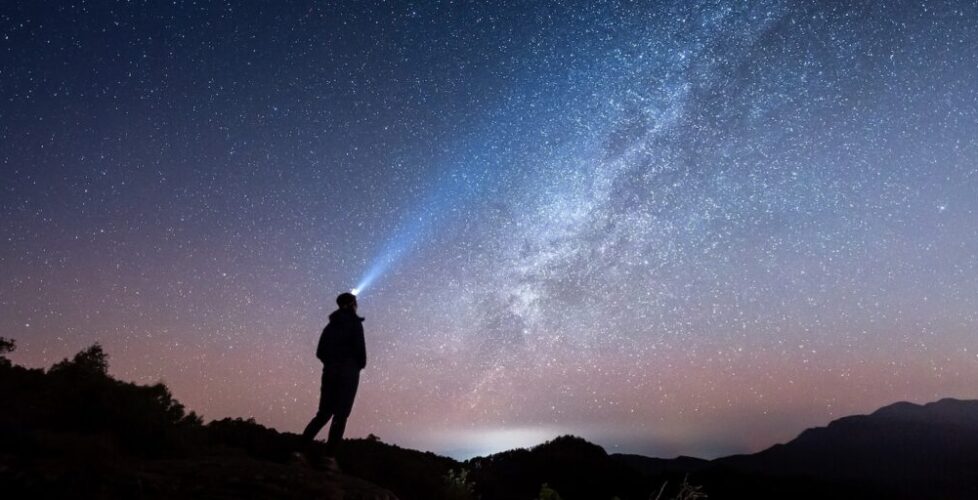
[(341, 342)]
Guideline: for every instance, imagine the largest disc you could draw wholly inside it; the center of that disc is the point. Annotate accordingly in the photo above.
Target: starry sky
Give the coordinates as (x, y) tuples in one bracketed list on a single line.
[(669, 227)]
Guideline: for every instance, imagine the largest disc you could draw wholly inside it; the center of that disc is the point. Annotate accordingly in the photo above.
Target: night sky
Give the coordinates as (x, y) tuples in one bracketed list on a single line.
[(667, 227)]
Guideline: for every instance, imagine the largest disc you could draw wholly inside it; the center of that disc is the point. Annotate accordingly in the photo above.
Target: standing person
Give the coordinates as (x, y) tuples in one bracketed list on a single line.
[(343, 353)]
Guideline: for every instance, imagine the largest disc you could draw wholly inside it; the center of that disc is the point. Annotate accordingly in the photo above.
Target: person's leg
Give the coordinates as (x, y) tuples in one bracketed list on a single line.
[(336, 430), (315, 425), (345, 394), (327, 405)]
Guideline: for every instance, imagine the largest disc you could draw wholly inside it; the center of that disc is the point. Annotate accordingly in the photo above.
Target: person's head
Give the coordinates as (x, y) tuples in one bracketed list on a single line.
[(347, 300)]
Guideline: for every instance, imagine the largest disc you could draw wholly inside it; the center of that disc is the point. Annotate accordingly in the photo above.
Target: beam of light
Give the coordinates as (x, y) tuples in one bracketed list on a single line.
[(467, 174), (444, 203), (395, 248), (479, 159)]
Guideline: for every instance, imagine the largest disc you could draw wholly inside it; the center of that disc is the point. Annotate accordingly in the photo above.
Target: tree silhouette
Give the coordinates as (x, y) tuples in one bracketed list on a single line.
[(89, 362)]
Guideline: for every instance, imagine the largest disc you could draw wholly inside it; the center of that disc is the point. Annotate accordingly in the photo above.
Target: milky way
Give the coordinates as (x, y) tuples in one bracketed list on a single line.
[(668, 227)]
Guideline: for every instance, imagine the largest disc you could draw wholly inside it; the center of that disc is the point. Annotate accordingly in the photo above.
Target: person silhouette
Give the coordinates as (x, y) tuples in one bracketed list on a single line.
[(342, 350)]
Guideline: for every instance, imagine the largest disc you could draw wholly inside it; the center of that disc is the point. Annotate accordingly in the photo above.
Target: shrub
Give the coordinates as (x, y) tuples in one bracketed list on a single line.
[(6, 346), (458, 486)]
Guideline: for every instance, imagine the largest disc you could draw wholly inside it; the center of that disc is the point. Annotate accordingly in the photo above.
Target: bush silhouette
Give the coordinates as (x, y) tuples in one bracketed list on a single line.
[(6, 346), (458, 486)]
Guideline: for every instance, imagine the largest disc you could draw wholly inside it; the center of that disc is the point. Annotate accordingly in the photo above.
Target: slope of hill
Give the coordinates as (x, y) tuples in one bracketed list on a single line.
[(651, 466), (75, 432)]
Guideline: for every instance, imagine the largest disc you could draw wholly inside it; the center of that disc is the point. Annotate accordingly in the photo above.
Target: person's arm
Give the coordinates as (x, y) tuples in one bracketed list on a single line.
[(321, 348), (360, 345)]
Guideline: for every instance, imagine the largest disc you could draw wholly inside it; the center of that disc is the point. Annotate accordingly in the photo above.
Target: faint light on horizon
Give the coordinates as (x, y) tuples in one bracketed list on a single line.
[(483, 442)]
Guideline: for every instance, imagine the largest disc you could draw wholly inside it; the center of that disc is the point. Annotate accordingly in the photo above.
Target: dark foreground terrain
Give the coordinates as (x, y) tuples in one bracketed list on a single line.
[(74, 431)]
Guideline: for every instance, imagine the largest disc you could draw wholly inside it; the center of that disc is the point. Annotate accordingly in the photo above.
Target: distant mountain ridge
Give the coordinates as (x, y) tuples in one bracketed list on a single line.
[(903, 450), (900, 442), (947, 411)]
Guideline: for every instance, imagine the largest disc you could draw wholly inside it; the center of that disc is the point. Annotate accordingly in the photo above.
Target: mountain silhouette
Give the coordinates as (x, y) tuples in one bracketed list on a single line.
[(73, 430), (906, 449), (569, 465), (903, 450)]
